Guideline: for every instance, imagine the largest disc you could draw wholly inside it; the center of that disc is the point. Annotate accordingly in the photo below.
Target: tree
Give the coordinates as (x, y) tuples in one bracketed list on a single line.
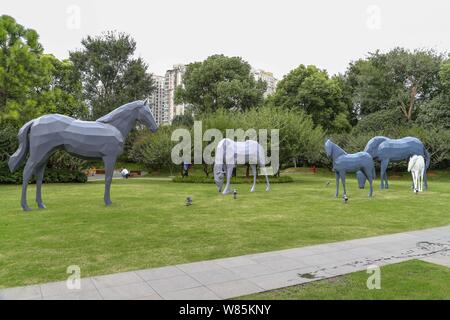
[(24, 71), (399, 79), (66, 95), (154, 150), (311, 90), (110, 75), (435, 113), (31, 82), (183, 120), (299, 139), (220, 82)]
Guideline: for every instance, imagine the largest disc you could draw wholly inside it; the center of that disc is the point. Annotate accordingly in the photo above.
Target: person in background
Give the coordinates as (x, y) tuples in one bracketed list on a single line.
[(185, 169), (125, 173)]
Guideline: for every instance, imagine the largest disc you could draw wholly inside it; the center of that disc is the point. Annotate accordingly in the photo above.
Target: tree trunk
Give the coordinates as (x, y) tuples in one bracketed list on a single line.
[(412, 100)]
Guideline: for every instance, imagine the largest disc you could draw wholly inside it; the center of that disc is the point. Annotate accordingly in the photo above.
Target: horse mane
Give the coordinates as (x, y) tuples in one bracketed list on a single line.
[(113, 115), (339, 149)]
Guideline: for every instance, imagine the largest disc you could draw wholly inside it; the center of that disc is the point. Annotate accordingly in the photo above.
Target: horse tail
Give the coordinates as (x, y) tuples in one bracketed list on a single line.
[(24, 145), (427, 157), (411, 163)]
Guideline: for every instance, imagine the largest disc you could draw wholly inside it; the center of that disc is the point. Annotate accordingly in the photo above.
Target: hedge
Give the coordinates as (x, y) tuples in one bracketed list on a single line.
[(235, 180), (51, 176)]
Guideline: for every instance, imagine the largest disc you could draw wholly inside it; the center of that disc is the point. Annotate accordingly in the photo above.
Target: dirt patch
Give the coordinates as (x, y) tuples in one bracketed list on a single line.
[(307, 276)]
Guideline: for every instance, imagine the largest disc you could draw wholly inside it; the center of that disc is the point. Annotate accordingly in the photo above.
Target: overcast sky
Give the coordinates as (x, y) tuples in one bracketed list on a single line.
[(272, 35)]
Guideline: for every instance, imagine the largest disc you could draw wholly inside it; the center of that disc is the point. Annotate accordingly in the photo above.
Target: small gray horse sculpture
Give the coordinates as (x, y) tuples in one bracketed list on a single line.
[(229, 153), (384, 149), (343, 163), (100, 139)]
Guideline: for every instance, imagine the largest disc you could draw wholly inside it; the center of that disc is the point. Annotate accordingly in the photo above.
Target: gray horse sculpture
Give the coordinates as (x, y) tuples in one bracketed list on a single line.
[(343, 163), (100, 139), (230, 153), (384, 149)]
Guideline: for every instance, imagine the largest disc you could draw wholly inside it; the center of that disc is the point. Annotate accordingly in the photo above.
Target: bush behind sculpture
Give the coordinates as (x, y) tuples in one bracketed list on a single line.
[(235, 180), (51, 176)]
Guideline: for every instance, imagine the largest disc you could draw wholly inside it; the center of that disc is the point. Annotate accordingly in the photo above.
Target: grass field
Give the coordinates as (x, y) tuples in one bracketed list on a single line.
[(411, 280), (149, 225)]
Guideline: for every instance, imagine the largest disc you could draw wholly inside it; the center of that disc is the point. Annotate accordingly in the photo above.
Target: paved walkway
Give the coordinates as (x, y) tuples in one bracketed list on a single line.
[(234, 277)]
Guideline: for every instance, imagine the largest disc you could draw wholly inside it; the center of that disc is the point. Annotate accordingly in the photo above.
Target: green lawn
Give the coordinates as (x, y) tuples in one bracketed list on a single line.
[(149, 224), (411, 280)]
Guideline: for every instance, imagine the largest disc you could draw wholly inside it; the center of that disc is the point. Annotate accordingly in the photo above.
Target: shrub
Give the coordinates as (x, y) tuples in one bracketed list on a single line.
[(153, 150)]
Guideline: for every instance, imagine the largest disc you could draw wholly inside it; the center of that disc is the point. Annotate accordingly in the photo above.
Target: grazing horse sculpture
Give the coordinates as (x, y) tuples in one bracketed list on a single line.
[(416, 166), (229, 153), (100, 139), (384, 149), (343, 163)]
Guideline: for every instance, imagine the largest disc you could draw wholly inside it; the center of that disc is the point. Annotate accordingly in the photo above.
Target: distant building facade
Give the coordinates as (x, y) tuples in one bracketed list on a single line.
[(164, 107), (268, 78), (173, 79), (158, 100)]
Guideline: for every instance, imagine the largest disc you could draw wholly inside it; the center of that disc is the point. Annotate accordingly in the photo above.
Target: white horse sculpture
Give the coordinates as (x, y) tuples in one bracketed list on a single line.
[(230, 153), (417, 168)]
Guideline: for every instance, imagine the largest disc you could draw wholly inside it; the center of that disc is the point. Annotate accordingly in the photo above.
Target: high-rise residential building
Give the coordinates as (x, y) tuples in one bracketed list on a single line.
[(173, 79), (157, 100), (268, 78)]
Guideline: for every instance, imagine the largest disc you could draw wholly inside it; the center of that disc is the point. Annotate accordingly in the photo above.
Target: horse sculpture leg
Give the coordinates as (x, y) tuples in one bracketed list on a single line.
[(229, 175), (369, 176), (267, 183), (39, 178), (337, 184), (27, 174), (343, 182), (421, 180), (383, 174), (417, 180), (417, 174), (425, 179), (254, 177), (371, 186), (110, 162)]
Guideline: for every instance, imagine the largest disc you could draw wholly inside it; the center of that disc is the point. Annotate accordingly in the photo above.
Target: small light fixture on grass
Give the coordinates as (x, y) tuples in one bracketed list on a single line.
[(345, 199), (188, 201), (234, 194)]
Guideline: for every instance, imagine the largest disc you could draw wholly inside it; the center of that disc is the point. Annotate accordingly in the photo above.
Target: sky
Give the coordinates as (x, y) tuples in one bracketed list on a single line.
[(276, 36)]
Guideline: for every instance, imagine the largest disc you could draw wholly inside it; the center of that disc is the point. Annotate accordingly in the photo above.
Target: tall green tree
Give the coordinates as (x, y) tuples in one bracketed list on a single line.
[(110, 74), (435, 113), (220, 82), (24, 71), (311, 90), (66, 94), (399, 79), (32, 82)]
